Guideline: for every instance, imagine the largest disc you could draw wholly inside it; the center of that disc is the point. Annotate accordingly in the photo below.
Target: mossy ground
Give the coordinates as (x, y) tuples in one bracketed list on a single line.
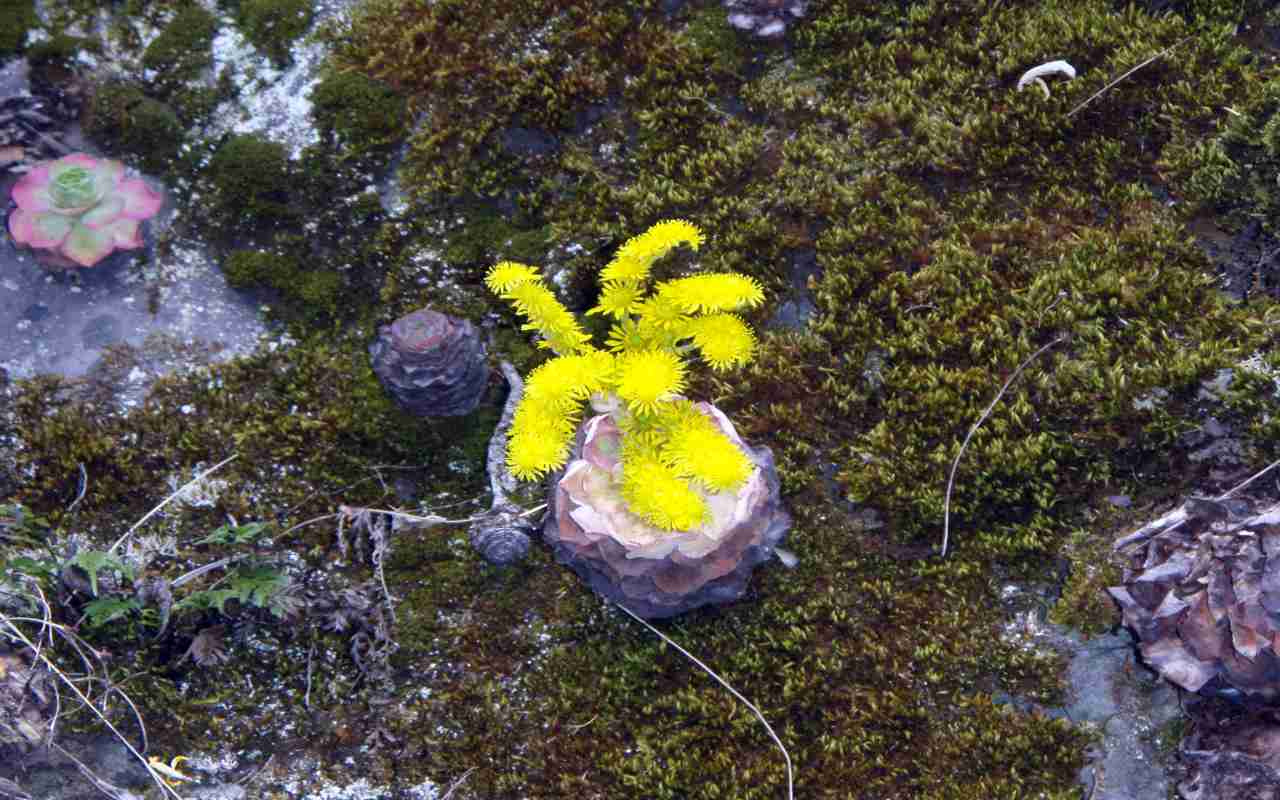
[(957, 226)]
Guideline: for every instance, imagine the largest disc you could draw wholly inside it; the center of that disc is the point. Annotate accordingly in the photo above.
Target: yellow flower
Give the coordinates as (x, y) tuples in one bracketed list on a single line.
[(633, 260), (502, 277), (655, 492), (724, 339), (662, 313), (558, 327), (565, 381), (539, 441), (696, 448), (722, 291), (648, 378), (618, 299)]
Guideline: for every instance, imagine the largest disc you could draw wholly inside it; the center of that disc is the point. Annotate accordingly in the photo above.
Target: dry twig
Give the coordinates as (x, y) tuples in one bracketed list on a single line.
[(785, 755), (1104, 89), (168, 500), (946, 508)]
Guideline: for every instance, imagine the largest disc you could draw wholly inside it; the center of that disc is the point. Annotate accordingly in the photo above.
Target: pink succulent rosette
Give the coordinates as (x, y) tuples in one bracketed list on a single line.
[(654, 572), (79, 209)]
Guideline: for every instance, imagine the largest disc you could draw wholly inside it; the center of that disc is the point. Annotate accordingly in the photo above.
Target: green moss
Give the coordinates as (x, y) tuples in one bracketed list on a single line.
[(183, 50), (317, 293), (248, 268), (57, 51), (945, 227), (321, 292), (123, 118), (20, 17), (274, 25), (1234, 172), (363, 115), (488, 237), (1085, 604), (251, 177)]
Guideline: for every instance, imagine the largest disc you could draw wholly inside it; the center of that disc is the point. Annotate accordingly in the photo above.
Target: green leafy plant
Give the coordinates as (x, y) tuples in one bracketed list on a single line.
[(108, 609), (258, 586), (235, 534), (673, 455), (94, 561)]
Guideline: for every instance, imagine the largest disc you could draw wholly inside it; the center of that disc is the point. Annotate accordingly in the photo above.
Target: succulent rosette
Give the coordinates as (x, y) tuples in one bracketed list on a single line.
[(80, 208), (653, 571)]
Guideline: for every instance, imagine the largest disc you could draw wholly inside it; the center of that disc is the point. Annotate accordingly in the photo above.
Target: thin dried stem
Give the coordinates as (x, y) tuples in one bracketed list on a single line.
[(951, 480), (169, 499), (785, 755), (20, 635), (1104, 89)]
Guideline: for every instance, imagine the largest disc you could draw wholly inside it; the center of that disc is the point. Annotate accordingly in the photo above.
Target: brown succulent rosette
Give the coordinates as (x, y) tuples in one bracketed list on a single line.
[(654, 572), (431, 363)]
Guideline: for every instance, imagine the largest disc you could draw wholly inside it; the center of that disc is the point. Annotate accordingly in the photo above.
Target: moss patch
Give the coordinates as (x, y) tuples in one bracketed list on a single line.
[(183, 49), (20, 17), (363, 115), (274, 25), (251, 177), (123, 118), (952, 227)]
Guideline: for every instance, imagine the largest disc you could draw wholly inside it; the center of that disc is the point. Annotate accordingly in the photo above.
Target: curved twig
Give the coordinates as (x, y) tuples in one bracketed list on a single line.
[(946, 508)]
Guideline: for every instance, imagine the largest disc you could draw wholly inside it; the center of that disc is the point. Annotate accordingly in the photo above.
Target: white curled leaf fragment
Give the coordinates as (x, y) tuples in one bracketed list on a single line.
[(1036, 74), (788, 558)]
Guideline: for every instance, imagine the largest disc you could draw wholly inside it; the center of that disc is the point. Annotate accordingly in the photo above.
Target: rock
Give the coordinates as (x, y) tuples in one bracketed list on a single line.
[(431, 363), (1232, 759)]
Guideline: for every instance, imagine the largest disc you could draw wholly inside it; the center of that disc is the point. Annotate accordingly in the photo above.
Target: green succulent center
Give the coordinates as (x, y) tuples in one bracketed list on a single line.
[(74, 188)]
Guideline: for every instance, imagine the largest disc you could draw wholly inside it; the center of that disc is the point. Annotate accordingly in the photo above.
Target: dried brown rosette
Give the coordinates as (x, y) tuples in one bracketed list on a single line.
[(1202, 594)]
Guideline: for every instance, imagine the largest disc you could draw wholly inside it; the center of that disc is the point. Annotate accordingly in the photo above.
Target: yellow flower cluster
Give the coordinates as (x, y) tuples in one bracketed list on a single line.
[(672, 451)]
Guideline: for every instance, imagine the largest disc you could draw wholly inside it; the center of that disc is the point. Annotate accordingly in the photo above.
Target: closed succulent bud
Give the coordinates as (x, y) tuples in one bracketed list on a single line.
[(431, 363), (656, 572), (501, 537), (1202, 594)]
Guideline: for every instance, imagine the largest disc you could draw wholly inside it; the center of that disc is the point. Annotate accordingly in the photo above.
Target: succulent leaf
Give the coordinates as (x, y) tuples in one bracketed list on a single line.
[(73, 188), (87, 246)]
